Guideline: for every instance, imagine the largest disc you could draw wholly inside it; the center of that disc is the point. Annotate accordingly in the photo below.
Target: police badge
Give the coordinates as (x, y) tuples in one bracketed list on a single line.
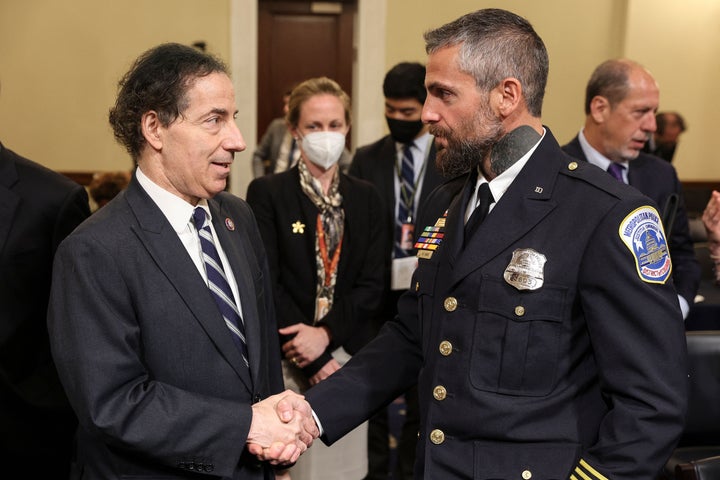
[(526, 269), (642, 233)]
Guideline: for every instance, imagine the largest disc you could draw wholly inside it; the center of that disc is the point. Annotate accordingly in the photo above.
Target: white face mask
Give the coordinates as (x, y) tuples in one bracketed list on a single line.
[(323, 148)]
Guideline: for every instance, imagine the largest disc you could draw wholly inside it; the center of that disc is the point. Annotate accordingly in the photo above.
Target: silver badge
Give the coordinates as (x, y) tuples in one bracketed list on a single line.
[(525, 271)]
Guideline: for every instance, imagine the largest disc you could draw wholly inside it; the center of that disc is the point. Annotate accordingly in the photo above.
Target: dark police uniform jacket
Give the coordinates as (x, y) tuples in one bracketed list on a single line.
[(581, 375), (658, 179)]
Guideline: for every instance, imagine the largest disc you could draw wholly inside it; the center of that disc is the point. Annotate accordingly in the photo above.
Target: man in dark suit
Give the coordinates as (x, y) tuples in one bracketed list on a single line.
[(161, 317), (381, 163), (620, 104), (547, 337), (38, 208)]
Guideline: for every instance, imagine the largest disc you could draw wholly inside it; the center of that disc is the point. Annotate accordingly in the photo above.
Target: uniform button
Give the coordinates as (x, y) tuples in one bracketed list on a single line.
[(417, 286), (437, 436), (519, 310), (439, 392), (527, 474), (445, 348), (450, 304), (571, 166)]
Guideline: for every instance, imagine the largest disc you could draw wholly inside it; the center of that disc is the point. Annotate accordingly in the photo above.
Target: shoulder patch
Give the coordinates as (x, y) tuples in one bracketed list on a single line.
[(642, 233)]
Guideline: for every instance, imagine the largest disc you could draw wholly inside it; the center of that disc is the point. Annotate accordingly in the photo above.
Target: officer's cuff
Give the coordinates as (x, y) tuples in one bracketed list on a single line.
[(583, 471)]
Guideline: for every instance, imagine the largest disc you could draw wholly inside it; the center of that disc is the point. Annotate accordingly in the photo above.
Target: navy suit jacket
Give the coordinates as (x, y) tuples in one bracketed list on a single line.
[(38, 208), (583, 373), (143, 352), (658, 179)]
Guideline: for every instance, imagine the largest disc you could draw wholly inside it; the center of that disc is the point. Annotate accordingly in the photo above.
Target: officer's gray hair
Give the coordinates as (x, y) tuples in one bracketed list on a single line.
[(496, 44)]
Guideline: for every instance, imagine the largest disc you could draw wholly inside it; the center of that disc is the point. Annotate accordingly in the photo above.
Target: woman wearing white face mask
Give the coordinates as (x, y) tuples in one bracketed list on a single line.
[(325, 249)]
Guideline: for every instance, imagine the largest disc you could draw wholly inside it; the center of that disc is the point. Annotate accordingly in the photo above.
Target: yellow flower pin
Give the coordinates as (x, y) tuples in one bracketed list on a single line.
[(298, 227)]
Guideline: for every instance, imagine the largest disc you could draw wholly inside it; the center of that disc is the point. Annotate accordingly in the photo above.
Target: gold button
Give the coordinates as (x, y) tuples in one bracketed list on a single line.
[(572, 166), (417, 286), (439, 392), (450, 304), (527, 474), (445, 348), (519, 310), (437, 436)]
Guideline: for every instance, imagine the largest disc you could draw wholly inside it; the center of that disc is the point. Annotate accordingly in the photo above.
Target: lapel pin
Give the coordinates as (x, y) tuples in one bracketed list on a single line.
[(538, 189), (298, 227), (230, 224)]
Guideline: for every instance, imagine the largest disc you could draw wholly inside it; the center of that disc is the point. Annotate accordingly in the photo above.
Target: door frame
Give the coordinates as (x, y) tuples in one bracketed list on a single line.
[(369, 68)]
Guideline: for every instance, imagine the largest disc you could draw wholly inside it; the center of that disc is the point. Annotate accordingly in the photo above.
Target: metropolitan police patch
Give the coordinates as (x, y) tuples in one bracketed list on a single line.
[(642, 233)]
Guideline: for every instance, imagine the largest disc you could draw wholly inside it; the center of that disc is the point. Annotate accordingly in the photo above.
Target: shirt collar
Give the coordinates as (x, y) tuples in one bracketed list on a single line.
[(176, 210), (593, 156)]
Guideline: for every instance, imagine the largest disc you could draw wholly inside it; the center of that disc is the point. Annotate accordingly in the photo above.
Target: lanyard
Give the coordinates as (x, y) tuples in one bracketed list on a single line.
[(328, 265)]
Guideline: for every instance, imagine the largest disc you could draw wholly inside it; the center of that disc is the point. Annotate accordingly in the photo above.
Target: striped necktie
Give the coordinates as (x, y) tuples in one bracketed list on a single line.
[(407, 195), (218, 284)]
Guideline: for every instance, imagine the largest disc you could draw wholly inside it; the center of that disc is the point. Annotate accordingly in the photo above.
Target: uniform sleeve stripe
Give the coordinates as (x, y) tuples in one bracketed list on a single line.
[(573, 477), (582, 474), (591, 470)]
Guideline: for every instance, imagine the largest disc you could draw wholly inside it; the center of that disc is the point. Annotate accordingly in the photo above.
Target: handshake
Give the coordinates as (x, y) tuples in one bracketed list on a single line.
[(282, 428)]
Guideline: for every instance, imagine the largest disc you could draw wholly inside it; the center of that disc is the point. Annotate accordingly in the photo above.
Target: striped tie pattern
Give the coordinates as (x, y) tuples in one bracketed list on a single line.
[(218, 284), (407, 194)]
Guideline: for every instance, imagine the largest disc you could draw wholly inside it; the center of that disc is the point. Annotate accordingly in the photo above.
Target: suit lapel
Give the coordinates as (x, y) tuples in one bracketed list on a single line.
[(164, 246), (525, 203), (9, 200), (387, 171)]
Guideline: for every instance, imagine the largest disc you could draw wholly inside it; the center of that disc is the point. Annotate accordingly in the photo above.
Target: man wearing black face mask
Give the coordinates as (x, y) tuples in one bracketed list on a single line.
[(401, 165)]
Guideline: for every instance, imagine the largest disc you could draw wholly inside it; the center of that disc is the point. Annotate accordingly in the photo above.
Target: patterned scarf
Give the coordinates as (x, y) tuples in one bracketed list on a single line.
[(332, 220)]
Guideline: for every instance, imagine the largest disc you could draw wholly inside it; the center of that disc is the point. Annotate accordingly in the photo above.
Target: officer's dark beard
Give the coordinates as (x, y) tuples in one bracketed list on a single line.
[(463, 154)]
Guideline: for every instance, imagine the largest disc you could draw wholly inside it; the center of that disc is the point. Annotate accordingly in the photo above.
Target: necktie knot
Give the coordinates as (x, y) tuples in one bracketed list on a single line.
[(199, 216), (616, 170)]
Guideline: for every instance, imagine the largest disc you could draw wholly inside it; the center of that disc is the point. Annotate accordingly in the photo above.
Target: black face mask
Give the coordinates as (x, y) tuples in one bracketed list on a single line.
[(404, 131)]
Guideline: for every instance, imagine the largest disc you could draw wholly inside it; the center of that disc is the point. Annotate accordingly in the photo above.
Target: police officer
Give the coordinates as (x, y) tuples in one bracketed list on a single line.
[(547, 338)]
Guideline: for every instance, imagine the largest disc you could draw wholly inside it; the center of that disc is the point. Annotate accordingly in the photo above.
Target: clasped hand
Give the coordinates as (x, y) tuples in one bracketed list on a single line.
[(282, 428)]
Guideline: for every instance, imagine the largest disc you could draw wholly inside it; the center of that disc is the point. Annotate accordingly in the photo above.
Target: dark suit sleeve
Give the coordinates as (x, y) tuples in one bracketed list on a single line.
[(73, 211)]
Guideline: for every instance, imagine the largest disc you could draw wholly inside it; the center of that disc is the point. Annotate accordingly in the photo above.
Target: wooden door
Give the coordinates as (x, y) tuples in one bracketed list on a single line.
[(298, 40)]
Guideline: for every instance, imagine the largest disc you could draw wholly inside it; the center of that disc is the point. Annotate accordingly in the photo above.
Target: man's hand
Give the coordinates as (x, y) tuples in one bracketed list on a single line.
[(282, 428), (711, 219)]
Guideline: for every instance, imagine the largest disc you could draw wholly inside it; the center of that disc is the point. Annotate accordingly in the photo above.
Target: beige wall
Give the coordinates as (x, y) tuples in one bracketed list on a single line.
[(678, 41), (60, 62)]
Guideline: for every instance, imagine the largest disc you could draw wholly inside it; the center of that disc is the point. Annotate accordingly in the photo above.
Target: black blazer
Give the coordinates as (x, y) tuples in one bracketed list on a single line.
[(149, 366), (38, 208), (287, 220), (658, 179)]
